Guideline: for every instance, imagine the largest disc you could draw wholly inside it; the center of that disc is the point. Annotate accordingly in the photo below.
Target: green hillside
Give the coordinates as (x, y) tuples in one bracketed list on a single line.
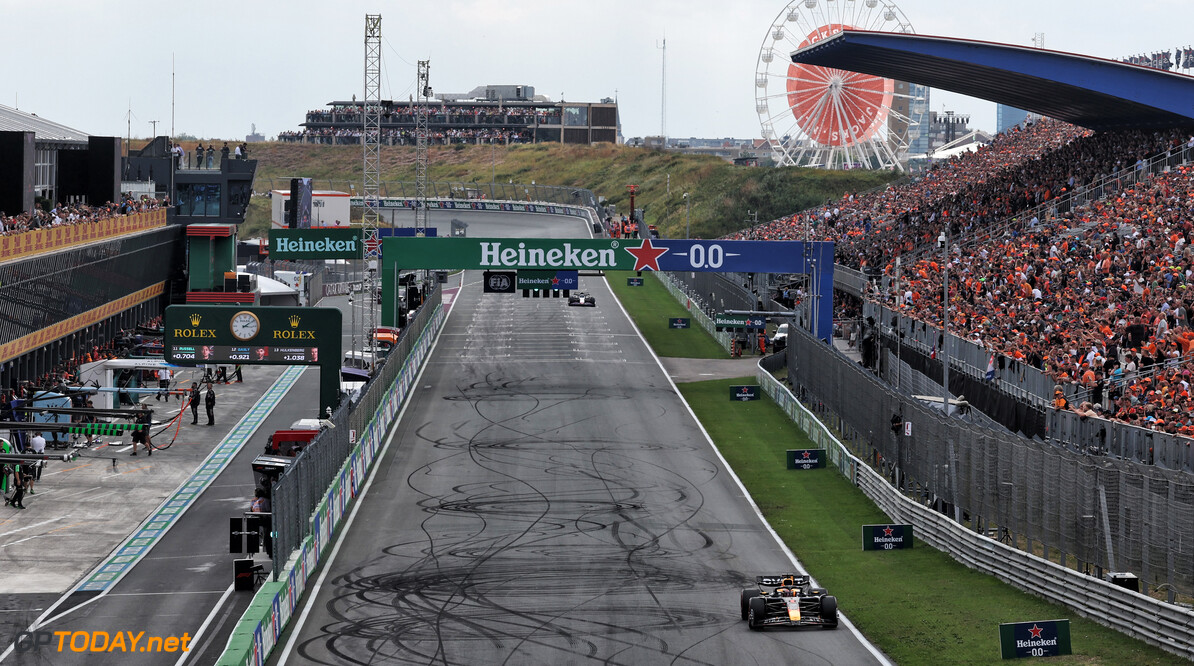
[(720, 193)]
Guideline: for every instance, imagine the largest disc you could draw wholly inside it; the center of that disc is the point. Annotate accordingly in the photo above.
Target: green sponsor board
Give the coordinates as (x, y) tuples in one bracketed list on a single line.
[(506, 253), (886, 537), (315, 243), (805, 458), (197, 335), (1046, 638), (721, 320), (679, 322)]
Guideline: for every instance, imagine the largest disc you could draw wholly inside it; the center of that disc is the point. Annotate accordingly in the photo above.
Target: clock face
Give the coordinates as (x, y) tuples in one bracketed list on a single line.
[(245, 325)]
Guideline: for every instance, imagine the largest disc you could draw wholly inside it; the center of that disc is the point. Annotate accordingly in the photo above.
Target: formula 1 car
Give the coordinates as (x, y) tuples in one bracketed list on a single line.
[(582, 298), (787, 600)]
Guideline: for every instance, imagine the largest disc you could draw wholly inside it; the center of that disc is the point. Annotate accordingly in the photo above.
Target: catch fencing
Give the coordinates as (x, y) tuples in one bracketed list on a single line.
[(1095, 514), (305, 483), (1167, 625), (1091, 435)]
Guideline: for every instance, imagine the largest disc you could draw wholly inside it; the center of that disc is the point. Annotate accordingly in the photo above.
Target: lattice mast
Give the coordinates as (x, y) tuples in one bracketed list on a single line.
[(421, 158), (371, 140)]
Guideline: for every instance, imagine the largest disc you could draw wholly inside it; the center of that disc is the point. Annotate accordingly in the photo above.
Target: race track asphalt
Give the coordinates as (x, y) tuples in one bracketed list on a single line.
[(547, 498)]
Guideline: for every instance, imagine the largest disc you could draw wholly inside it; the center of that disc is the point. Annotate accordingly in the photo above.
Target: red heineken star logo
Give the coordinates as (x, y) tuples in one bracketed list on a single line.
[(1035, 631), (555, 281), (806, 454), (646, 255), (887, 531)]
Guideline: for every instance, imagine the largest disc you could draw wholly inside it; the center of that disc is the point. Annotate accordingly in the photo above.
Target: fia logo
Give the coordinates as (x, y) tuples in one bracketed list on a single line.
[(499, 282)]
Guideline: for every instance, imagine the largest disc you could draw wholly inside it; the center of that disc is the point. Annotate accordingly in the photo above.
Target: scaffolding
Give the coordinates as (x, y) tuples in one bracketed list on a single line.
[(421, 157), (371, 140)]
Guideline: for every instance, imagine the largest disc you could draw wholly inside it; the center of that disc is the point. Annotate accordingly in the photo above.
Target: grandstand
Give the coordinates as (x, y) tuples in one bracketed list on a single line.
[(475, 121), (1070, 249), (90, 243)]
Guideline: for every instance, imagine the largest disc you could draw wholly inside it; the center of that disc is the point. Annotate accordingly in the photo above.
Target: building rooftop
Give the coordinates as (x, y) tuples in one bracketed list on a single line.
[(15, 120)]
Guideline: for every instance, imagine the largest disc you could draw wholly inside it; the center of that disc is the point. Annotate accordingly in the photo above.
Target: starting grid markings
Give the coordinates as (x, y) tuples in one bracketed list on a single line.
[(144, 538)]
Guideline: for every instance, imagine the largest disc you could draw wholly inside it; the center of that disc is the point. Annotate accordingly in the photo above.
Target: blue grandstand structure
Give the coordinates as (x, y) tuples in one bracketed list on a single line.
[(1091, 92)]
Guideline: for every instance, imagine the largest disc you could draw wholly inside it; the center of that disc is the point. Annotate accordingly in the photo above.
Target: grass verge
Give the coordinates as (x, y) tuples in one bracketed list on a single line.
[(919, 606), (721, 194), (651, 305)]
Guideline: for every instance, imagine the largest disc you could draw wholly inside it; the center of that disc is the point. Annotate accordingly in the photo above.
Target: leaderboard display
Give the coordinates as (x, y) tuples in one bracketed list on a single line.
[(187, 354)]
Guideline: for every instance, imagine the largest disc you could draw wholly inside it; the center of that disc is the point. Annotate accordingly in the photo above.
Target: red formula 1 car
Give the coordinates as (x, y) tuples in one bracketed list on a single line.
[(787, 600)]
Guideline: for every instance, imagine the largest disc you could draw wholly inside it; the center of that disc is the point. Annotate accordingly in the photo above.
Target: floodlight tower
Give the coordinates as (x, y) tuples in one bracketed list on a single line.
[(371, 140), (421, 148)]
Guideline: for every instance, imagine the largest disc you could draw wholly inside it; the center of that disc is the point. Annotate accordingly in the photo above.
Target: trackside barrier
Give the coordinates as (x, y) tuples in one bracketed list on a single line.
[(1166, 625), (257, 632)]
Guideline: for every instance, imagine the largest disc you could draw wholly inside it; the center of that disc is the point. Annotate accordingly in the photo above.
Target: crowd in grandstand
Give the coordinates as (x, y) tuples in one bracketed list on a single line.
[(66, 214), (488, 124), (476, 114), (406, 137), (1098, 297)]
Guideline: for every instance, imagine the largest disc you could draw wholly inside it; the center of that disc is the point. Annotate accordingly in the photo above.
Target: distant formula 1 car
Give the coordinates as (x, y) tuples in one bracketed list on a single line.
[(583, 299), (787, 600)]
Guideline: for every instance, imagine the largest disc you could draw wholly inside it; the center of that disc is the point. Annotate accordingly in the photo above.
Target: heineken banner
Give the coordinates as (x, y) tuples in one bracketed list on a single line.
[(805, 458), (1047, 638), (548, 280), (315, 243), (608, 254), (886, 537), (654, 254), (744, 393), (678, 322), (634, 282), (723, 321)]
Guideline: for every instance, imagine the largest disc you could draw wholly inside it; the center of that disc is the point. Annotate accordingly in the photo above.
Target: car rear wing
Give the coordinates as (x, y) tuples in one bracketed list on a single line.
[(777, 580)]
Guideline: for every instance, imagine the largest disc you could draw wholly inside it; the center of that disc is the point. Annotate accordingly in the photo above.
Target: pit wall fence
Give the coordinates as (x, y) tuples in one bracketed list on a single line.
[(310, 501)]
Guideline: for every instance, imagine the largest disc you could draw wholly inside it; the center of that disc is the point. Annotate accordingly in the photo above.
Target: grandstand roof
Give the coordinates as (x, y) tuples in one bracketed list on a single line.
[(1090, 92), (15, 120)]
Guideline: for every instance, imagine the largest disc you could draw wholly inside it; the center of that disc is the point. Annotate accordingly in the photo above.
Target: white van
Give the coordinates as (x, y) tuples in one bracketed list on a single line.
[(362, 360)]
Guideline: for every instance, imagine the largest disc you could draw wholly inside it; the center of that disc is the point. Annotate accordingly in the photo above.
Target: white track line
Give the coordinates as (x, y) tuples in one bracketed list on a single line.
[(182, 658)]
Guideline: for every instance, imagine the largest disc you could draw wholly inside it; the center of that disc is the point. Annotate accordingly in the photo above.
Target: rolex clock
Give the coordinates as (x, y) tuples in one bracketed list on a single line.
[(245, 325)]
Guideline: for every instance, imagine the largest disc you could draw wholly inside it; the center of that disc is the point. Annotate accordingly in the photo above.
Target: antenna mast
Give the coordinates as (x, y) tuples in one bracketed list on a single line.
[(371, 140), (421, 156), (663, 93)]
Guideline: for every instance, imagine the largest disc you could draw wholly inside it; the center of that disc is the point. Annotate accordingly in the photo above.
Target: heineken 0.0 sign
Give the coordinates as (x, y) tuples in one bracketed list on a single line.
[(805, 458), (315, 243), (722, 321), (743, 393), (543, 280), (622, 254), (886, 537), (1045, 638)]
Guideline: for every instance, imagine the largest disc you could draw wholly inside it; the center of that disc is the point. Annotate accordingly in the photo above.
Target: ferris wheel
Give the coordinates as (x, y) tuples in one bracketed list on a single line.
[(824, 117)]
